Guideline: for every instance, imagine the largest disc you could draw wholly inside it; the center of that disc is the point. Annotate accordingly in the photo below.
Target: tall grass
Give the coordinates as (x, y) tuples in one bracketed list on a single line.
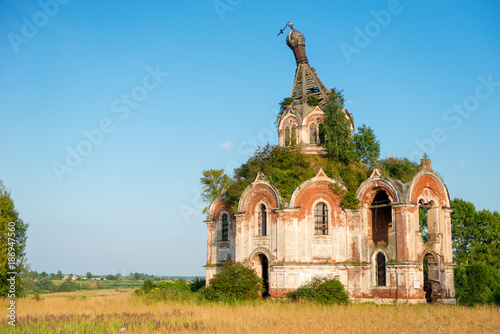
[(135, 314)]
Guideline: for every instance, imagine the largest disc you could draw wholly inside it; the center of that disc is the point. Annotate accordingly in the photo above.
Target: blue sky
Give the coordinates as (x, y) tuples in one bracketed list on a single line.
[(166, 89)]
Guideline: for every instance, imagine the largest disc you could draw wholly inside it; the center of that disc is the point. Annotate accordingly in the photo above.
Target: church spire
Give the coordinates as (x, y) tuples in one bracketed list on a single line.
[(300, 118), (306, 81)]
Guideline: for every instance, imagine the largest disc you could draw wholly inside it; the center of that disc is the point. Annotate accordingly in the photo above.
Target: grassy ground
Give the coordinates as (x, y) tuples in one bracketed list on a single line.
[(109, 311)]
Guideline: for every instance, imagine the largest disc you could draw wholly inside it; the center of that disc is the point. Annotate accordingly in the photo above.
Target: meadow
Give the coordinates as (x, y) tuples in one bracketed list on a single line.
[(120, 311)]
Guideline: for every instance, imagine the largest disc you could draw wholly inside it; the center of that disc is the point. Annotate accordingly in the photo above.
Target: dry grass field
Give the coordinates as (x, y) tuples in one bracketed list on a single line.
[(109, 311)]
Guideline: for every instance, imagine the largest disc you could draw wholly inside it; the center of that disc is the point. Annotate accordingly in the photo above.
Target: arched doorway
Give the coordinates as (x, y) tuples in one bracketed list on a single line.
[(260, 264), (431, 278), (265, 274)]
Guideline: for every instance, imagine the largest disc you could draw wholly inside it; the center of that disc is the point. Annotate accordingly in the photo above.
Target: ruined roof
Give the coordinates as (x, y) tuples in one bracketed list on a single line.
[(306, 82)]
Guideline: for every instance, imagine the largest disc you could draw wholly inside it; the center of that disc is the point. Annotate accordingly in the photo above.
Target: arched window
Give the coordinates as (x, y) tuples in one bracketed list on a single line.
[(293, 140), (313, 133), (428, 224), (225, 227), (287, 135), (381, 218), (321, 219), (263, 220), (381, 269)]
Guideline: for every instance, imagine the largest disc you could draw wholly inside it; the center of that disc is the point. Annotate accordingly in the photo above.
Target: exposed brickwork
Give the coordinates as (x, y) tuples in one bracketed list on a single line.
[(429, 187)]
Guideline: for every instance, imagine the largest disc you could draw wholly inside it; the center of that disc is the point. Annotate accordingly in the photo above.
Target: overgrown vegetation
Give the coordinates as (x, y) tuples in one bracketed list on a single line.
[(179, 290), (351, 158), (213, 183), (235, 282), (366, 146), (312, 100), (398, 168), (287, 101), (285, 167), (335, 129), (322, 290)]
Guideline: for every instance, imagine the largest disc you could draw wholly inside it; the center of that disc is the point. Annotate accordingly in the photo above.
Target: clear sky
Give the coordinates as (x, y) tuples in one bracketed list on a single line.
[(110, 110)]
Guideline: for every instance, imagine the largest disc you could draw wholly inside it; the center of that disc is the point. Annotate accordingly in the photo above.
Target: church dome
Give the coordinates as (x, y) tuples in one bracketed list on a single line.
[(294, 37)]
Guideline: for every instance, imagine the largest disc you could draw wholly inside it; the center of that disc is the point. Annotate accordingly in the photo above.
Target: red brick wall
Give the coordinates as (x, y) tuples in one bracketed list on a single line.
[(428, 184)]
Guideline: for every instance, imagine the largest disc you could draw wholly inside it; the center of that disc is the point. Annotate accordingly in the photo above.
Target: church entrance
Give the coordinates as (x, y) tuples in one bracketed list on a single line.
[(431, 278), (261, 267)]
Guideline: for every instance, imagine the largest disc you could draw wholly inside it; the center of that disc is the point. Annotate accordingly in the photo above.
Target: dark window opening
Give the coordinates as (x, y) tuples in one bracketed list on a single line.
[(263, 220), (381, 277), (321, 219), (287, 136), (381, 218), (313, 133), (423, 222), (225, 227), (427, 219)]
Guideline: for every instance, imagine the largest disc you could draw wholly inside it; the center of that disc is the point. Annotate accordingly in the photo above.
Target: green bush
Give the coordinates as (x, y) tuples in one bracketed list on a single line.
[(285, 103), (313, 100), (84, 286), (399, 169), (197, 284), (67, 286), (44, 284), (178, 290), (147, 285), (179, 285), (235, 282), (36, 295), (323, 290)]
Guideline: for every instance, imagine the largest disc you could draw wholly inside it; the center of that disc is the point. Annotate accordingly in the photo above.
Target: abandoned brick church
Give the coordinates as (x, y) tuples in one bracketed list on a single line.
[(376, 250)]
